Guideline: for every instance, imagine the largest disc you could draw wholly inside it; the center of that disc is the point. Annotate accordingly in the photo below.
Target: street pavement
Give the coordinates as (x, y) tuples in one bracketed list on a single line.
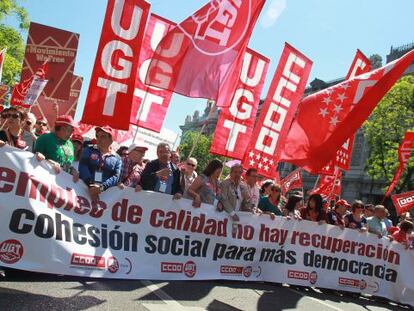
[(32, 291)]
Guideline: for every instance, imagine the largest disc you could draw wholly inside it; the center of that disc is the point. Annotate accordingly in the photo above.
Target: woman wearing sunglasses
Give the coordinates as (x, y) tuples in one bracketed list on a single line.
[(188, 175), (11, 133), (273, 203)]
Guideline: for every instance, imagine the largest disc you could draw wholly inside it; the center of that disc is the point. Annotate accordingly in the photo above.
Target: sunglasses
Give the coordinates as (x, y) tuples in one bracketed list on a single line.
[(7, 116), (191, 164), (41, 123), (29, 123)]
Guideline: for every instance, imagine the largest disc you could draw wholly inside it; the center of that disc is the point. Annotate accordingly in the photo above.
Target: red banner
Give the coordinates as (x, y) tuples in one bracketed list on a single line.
[(292, 181), (60, 47), (150, 104), (329, 186), (403, 202), (111, 90), (336, 113), (277, 112), (404, 153), (49, 108), (236, 122), (203, 55)]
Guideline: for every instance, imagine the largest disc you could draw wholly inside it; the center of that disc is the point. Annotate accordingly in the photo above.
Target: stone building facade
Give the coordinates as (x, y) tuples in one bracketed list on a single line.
[(356, 184)]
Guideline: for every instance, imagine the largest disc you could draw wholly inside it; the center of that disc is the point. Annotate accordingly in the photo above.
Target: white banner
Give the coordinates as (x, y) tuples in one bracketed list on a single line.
[(48, 224)]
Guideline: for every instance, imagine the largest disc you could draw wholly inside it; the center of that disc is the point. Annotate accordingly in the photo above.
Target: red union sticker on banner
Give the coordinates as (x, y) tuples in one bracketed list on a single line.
[(150, 104), (111, 89), (236, 122), (278, 111)]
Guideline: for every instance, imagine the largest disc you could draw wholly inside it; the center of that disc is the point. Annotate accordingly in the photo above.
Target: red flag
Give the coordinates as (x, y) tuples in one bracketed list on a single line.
[(404, 153), (150, 104), (21, 89), (277, 112), (2, 58), (292, 181), (329, 186), (327, 118), (236, 122), (202, 56), (111, 89), (403, 202), (361, 64)]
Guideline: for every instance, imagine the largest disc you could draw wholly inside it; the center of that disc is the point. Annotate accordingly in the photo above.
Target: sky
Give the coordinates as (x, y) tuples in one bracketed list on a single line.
[(326, 31)]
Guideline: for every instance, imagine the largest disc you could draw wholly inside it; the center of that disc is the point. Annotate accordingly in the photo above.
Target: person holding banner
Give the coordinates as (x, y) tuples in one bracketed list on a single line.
[(12, 132), (56, 147), (273, 203), (206, 187), (234, 195), (293, 205), (188, 175), (132, 167), (99, 166), (336, 216), (376, 223), (314, 210), (161, 175), (356, 220), (28, 131)]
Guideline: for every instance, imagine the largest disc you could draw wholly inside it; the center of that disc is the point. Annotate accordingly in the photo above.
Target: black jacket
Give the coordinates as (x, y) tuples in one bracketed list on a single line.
[(149, 178)]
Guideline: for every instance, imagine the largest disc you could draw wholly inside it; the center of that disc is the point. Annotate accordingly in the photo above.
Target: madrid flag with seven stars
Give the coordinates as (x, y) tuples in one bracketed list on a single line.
[(203, 55), (326, 119)]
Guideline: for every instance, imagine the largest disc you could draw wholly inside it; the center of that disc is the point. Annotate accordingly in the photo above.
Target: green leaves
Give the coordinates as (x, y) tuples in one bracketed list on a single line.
[(11, 39), (385, 130)]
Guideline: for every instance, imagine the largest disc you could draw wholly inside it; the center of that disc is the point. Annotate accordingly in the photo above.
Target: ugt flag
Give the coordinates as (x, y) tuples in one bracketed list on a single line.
[(203, 55), (326, 119)]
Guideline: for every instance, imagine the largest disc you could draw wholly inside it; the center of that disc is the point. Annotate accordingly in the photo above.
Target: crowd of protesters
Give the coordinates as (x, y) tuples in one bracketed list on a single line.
[(101, 167)]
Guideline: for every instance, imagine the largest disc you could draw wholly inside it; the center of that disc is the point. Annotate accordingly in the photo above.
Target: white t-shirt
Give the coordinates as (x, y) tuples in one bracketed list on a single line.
[(254, 195)]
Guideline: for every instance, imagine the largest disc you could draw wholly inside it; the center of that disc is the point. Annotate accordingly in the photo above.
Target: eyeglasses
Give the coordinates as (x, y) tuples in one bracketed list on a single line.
[(41, 123), (191, 164), (7, 116), (29, 123)]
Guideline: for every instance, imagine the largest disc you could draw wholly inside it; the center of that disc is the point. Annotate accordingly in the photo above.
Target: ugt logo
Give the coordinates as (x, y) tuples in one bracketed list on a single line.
[(216, 22)]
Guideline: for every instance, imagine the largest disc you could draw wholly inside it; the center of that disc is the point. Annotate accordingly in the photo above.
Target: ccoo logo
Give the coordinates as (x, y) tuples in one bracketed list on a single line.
[(219, 26), (11, 251)]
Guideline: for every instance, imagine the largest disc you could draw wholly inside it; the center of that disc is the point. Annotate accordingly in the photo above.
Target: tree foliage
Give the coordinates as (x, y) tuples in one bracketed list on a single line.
[(376, 61), (12, 39), (201, 151), (385, 130)]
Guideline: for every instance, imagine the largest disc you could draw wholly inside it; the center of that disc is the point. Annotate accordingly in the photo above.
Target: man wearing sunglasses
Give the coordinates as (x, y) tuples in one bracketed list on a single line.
[(11, 133), (28, 131), (41, 127)]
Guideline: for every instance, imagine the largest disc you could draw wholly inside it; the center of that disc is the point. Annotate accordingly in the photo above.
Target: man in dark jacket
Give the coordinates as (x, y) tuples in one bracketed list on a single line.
[(161, 175)]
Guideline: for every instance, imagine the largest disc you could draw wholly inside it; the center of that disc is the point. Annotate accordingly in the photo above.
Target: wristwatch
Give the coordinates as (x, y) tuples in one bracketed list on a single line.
[(101, 188)]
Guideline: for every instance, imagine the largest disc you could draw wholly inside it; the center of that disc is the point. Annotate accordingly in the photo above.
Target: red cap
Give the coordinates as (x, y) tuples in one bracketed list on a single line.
[(342, 202), (77, 137), (65, 120), (106, 129)]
